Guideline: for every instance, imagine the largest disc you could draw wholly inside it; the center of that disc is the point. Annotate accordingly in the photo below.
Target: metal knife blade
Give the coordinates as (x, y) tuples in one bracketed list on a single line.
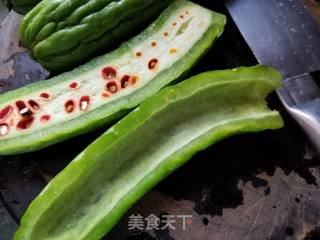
[(282, 34)]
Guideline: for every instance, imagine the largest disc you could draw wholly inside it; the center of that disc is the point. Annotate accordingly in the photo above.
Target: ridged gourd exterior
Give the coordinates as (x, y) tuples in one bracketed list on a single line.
[(63, 34)]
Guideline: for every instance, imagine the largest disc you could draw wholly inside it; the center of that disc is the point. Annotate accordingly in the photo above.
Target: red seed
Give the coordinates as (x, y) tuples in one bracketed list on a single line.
[(166, 34), (25, 123), (174, 24), (22, 108), (84, 103), (134, 79), (5, 113), (34, 105), (112, 87), (69, 106), (45, 95), (20, 105), (153, 63), (109, 73), (125, 81), (105, 95), (73, 85), (181, 16), (153, 44), (138, 54), (45, 118), (4, 129)]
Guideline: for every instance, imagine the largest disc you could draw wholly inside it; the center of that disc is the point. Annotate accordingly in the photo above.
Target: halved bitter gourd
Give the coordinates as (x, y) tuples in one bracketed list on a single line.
[(92, 193), (95, 94), (61, 34)]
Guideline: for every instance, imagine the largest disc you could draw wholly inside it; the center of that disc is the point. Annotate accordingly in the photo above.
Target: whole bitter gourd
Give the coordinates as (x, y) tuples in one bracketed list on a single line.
[(61, 34), (91, 194), (21, 6), (97, 93)]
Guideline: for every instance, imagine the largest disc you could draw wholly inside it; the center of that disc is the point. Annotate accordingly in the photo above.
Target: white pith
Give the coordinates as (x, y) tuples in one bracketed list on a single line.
[(92, 84)]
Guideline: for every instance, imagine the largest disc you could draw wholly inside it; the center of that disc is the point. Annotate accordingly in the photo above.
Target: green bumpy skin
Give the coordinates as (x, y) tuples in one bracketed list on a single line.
[(91, 194), (103, 90), (21, 6), (62, 34)]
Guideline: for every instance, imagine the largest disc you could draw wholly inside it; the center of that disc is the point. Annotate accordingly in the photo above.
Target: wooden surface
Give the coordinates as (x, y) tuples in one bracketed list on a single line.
[(256, 186)]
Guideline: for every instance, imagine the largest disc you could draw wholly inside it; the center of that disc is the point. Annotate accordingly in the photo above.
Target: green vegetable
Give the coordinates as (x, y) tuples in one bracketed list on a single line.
[(61, 34), (21, 6), (91, 194), (101, 91)]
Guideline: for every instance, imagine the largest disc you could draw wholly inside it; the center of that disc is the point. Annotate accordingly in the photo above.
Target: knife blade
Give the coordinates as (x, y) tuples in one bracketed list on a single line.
[(282, 34)]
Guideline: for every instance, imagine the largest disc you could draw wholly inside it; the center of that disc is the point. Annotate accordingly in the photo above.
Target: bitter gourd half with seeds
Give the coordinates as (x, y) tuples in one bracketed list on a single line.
[(92, 193), (97, 93), (21, 6), (61, 34)]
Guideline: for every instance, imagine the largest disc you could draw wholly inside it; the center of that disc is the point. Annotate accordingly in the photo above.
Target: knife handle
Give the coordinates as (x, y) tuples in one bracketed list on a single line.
[(301, 97)]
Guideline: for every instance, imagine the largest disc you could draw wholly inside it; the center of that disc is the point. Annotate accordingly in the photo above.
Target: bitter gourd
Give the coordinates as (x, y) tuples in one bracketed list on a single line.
[(95, 94), (91, 194), (61, 34), (21, 6)]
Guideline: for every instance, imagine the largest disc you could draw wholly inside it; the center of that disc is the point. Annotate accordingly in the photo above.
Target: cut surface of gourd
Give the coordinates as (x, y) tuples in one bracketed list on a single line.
[(100, 91)]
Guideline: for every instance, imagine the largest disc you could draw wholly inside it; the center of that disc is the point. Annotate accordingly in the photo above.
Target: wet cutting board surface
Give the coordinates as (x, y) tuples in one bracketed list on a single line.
[(254, 186)]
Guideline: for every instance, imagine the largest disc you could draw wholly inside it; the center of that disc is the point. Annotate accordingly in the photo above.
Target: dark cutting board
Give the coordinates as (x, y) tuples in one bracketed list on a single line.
[(249, 187)]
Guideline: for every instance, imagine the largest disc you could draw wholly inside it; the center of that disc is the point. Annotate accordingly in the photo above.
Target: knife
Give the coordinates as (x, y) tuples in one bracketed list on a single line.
[(282, 34)]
